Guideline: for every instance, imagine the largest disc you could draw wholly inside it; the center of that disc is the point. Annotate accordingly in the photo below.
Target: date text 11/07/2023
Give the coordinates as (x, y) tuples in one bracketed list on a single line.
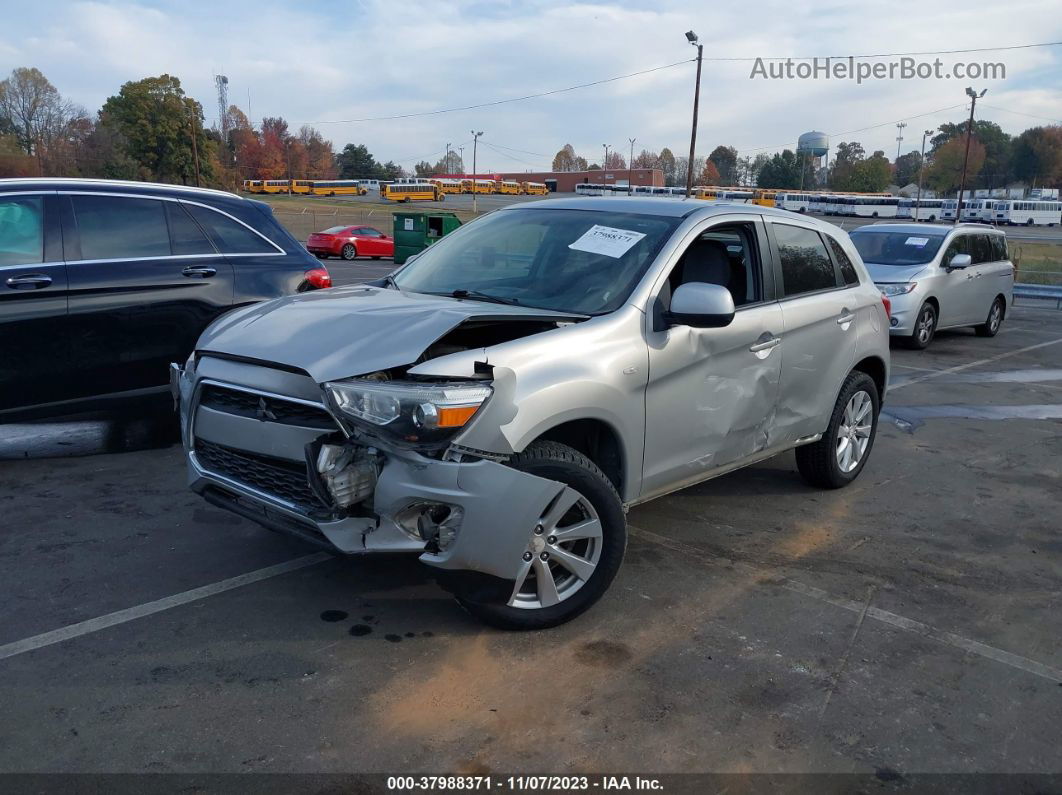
[(521, 783)]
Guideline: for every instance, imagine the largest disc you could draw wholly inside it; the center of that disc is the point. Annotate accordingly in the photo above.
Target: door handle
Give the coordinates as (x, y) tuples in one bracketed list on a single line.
[(765, 345), (31, 281), (199, 271), (847, 317)]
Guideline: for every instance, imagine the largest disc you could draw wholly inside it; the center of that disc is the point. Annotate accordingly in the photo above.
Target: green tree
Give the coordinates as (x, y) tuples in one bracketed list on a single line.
[(725, 158), (906, 168), (423, 169), (997, 168), (870, 175), (356, 162), (162, 129), (845, 157), (780, 171), (1038, 156)]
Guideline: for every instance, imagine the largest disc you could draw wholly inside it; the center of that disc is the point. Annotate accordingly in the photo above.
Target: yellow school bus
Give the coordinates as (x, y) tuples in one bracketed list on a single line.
[(275, 185), (301, 185), (765, 198), (252, 185), (479, 186), (412, 192), (534, 188), (508, 186), (447, 185), (337, 187)]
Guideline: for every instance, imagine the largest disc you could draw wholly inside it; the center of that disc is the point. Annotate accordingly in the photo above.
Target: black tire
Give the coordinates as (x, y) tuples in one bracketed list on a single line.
[(817, 462), (559, 462), (349, 252), (919, 341), (996, 313)]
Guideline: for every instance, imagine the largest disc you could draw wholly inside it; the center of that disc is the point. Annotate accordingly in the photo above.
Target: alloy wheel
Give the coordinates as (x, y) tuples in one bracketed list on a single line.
[(853, 434), (925, 326), (562, 555)]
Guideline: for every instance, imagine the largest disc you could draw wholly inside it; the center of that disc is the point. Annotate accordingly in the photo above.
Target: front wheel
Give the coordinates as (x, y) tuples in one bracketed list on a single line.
[(924, 329), (992, 323), (573, 551), (349, 252), (840, 455)]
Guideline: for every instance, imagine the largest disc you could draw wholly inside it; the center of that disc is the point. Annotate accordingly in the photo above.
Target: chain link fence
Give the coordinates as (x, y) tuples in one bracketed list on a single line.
[(302, 223)]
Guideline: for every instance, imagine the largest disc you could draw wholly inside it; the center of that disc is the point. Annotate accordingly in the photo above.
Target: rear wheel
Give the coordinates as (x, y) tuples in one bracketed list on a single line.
[(840, 455), (349, 252), (992, 323), (573, 551), (925, 328)]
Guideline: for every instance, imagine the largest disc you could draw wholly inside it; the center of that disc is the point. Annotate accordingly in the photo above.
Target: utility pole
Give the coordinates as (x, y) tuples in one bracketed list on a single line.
[(447, 158), (974, 96), (691, 37), (604, 165), (630, 169), (899, 138), (195, 147), (921, 170), (475, 187)]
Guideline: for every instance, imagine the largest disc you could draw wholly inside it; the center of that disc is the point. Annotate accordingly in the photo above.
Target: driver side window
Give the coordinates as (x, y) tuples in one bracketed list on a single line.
[(959, 245), (723, 255)]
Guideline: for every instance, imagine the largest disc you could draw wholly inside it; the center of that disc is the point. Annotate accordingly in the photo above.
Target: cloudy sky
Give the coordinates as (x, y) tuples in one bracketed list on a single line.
[(327, 62)]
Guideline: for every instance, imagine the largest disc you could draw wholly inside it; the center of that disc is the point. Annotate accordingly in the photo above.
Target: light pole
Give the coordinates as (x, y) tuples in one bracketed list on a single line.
[(899, 138), (448, 158), (691, 37), (604, 165), (630, 169), (974, 96), (475, 144), (921, 170)]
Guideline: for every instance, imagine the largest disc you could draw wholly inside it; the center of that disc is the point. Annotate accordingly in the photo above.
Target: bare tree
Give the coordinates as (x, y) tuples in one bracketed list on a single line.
[(46, 126)]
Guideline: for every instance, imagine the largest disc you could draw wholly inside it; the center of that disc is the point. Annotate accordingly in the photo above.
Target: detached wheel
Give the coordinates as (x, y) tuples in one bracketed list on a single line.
[(349, 252), (924, 329), (990, 327), (573, 552), (839, 456)]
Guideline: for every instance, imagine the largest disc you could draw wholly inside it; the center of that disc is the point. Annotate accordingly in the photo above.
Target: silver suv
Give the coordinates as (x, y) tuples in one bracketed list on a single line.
[(939, 276), (499, 403)]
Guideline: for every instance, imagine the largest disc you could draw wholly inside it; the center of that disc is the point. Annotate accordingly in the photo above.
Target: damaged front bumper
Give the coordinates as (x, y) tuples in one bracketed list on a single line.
[(468, 515)]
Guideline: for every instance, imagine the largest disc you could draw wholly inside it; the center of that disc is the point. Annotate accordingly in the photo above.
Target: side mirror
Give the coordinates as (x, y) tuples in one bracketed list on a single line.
[(700, 305), (960, 261)]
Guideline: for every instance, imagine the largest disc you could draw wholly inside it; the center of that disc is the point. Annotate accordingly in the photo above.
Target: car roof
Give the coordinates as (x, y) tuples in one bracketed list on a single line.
[(110, 185), (672, 208), (933, 230)]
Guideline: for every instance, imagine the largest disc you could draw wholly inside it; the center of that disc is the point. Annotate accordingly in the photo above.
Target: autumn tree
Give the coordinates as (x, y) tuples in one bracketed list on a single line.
[(724, 158), (615, 160), (997, 167), (945, 172), (709, 175), (667, 165), (44, 124), (566, 159)]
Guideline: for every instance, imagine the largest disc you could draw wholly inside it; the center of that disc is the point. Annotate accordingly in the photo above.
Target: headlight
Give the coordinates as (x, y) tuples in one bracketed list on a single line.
[(897, 289), (413, 414)]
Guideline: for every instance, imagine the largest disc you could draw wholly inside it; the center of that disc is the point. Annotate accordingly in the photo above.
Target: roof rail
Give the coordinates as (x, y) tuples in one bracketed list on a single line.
[(121, 183)]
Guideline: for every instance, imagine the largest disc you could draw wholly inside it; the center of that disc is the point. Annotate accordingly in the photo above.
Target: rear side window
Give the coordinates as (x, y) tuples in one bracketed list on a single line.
[(848, 271), (229, 235), (806, 266), (185, 235), (21, 230), (116, 227), (999, 248), (980, 249)]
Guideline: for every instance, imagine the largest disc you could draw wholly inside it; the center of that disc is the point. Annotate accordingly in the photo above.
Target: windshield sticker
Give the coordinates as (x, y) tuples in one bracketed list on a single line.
[(917, 241), (607, 240)]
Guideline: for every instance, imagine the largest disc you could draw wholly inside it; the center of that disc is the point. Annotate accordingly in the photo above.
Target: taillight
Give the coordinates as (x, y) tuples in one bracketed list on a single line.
[(884, 300), (319, 277)]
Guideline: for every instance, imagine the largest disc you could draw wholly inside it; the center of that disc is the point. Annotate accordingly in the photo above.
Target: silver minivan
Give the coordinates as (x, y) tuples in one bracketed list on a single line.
[(497, 404), (939, 276)]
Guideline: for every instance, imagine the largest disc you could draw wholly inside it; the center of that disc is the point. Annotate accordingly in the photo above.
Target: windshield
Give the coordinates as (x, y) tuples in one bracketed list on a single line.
[(578, 261), (896, 248), (334, 230)]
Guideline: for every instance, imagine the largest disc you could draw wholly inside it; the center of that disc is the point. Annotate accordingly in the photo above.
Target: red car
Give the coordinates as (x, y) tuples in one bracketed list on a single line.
[(349, 242)]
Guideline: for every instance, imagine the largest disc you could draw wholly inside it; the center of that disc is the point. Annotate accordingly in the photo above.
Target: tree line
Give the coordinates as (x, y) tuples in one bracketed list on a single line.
[(151, 130), (996, 159)]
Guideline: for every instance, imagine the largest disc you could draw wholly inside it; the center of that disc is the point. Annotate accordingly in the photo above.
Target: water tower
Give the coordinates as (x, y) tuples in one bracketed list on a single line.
[(814, 145)]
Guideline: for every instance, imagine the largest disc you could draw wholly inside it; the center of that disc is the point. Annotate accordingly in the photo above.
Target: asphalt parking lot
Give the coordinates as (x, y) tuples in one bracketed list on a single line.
[(909, 623)]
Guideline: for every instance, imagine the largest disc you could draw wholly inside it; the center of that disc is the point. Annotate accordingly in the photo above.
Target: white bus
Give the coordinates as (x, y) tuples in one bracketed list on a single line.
[(1028, 213), (589, 189), (978, 211), (794, 202), (947, 209), (870, 206), (927, 209)]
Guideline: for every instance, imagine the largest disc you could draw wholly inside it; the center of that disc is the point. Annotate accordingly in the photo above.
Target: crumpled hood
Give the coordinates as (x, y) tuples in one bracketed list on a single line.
[(882, 274), (348, 331)]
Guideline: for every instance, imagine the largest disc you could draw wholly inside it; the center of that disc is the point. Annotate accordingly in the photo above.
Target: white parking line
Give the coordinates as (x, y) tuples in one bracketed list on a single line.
[(863, 609), (157, 606), (978, 363)]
